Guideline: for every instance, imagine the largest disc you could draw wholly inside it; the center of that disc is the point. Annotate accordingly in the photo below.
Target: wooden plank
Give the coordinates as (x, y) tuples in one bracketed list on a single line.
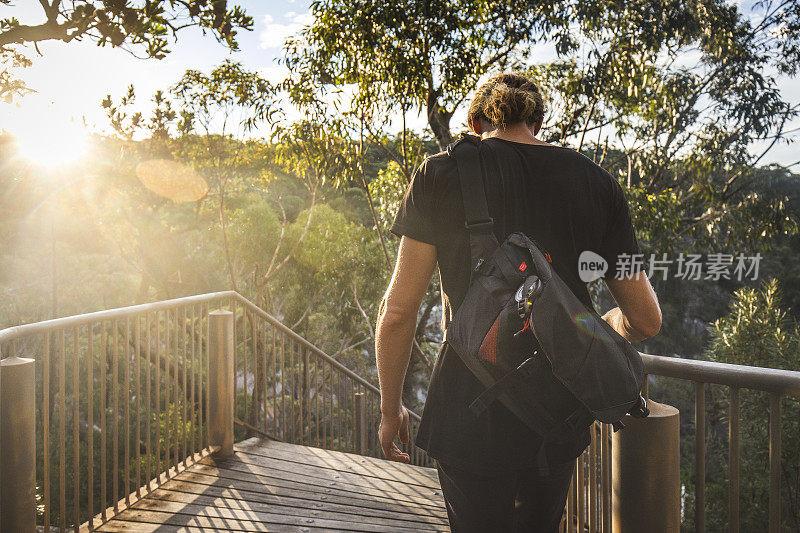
[(275, 486), (155, 521), (313, 474), (369, 466), (250, 520), (238, 471), (259, 442), (208, 475), (343, 465), (194, 484), (295, 507), (124, 526)]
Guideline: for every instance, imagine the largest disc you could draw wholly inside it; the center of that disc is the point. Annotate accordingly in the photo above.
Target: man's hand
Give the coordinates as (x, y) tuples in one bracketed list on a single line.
[(391, 426)]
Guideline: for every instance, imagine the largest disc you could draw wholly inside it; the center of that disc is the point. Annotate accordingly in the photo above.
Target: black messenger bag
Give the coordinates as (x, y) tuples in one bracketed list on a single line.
[(549, 359)]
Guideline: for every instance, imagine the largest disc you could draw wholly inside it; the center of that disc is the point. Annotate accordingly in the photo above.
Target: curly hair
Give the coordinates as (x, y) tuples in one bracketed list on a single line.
[(507, 99)]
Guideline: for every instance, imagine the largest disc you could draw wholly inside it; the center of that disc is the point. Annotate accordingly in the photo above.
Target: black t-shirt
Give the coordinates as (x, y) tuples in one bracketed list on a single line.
[(559, 198)]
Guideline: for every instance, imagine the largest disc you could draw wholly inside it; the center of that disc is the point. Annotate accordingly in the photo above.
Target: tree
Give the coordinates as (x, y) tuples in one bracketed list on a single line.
[(401, 55), (229, 98), (141, 28), (757, 332)]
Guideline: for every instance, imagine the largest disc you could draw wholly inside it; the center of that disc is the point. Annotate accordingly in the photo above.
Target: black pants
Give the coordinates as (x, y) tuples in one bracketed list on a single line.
[(524, 501)]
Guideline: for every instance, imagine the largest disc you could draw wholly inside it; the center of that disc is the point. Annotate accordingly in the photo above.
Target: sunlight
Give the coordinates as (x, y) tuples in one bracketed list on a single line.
[(47, 136), (52, 144)]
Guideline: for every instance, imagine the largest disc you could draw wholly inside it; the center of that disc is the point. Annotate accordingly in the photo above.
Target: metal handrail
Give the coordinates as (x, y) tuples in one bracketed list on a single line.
[(15, 332), (739, 376)]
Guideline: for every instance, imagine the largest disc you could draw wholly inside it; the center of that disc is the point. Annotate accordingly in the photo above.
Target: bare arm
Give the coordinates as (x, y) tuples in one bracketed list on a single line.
[(638, 315), (397, 321)]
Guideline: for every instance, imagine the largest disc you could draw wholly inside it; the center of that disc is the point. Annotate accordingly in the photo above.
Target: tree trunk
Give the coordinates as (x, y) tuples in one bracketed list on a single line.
[(439, 120)]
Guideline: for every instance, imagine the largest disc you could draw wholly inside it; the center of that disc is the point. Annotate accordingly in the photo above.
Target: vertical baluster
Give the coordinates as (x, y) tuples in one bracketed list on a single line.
[(316, 400), (297, 393), (305, 410), (203, 373), (350, 399), (274, 381), (329, 409), (293, 378), (157, 394), (115, 416), (265, 378), (733, 462), (242, 362), (605, 462), (138, 432), (774, 462), (327, 404), (200, 380), (255, 365), (90, 421), (237, 361), (62, 439), (76, 438), (340, 398), (254, 395), (193, 362), (127, 400), (581, 504), (284, 381), (46, 430), (700, 457), (185, 393), (148, 393), (175, 391), (103, 458), (593, 479), (166, 415)]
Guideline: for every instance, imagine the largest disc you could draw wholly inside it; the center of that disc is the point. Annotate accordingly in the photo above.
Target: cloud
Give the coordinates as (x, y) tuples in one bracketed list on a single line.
[(275, 34)]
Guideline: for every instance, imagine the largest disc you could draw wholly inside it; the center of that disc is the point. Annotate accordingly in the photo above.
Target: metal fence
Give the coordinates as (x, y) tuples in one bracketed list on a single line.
[(735, 378), (589, 502), (288, 389), (121, 399)]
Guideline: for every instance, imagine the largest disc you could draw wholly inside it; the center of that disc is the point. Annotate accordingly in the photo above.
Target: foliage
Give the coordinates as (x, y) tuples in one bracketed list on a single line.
[(144, 28), (403, 55), (756, 331)]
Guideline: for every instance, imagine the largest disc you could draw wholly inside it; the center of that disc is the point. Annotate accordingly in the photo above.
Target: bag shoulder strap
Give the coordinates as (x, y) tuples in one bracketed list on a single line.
[(479, 224)]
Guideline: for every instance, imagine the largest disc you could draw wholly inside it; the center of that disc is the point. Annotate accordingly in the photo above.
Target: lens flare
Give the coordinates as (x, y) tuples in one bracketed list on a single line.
[(173, 180), (587, 322)]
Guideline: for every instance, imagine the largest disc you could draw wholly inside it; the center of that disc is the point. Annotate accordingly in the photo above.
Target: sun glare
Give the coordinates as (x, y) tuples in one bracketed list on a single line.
[(47, 137), (52, 144)]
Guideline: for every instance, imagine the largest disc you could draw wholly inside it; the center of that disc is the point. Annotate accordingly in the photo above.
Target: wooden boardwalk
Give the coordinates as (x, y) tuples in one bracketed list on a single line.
[(273, 486)]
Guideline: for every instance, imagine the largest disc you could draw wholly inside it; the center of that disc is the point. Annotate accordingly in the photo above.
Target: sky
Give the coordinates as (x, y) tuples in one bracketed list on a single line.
[(72, 79)]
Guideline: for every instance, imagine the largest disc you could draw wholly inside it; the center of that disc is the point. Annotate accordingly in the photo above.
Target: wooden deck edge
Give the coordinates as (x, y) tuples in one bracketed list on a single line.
[(142, 492)]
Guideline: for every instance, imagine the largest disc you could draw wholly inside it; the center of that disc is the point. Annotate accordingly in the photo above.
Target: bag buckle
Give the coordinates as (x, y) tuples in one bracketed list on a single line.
[(480, 225)]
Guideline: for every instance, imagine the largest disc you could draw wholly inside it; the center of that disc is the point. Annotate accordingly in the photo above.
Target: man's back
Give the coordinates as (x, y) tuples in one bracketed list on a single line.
[(563, 201)]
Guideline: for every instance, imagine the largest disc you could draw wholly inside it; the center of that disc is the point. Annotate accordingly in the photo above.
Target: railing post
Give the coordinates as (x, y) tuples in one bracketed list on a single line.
[(646, 472), (361, 423), (17, 445), (220, 381)]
